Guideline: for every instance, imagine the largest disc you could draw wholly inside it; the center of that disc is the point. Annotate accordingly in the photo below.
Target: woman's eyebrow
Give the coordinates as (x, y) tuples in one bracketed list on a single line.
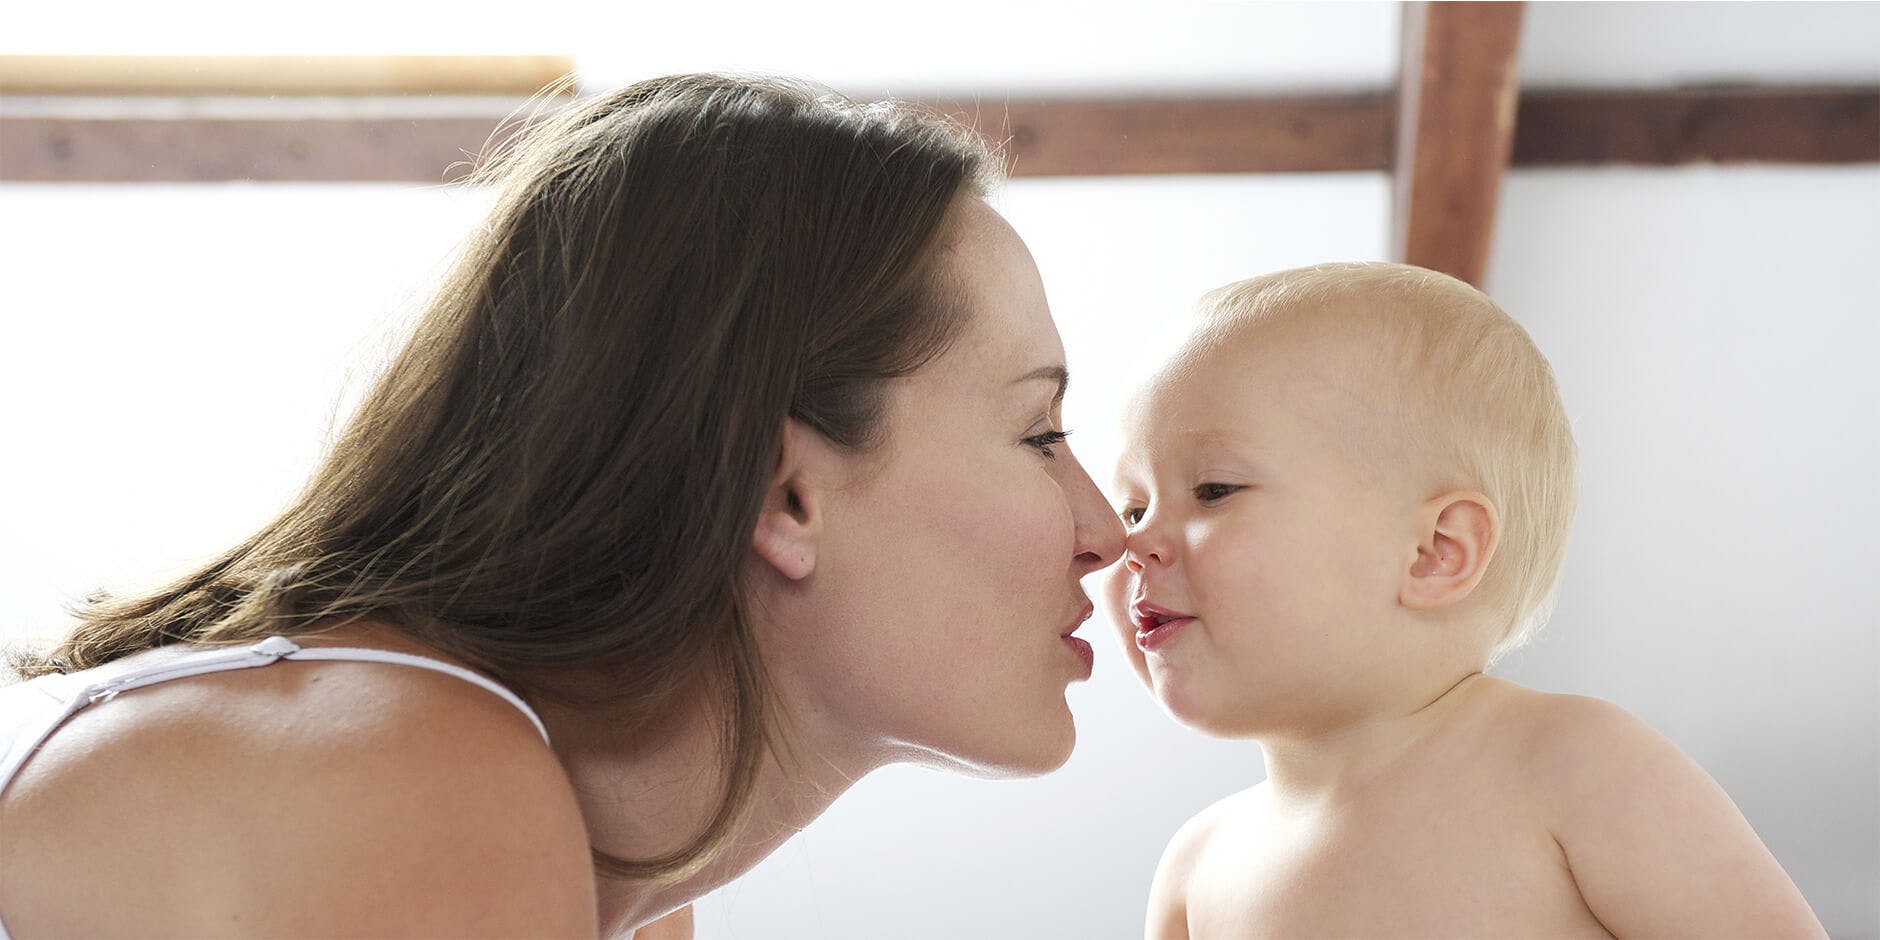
[(1057, 374)]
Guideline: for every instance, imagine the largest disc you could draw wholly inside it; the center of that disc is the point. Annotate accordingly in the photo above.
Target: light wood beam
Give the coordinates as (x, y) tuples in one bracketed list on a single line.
[(117, 75), (1456, 97), (427, 149)]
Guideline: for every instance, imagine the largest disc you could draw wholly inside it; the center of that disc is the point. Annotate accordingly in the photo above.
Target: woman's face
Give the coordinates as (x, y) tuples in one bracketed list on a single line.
[(948, 572)]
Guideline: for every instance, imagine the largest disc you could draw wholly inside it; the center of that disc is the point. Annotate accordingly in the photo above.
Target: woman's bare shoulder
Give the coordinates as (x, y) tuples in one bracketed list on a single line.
[(302, 797)]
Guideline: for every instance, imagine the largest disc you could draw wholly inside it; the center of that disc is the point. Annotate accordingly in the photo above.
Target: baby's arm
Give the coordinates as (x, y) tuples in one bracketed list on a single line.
[(1168, 912), (1168, 893), (1655, 845)]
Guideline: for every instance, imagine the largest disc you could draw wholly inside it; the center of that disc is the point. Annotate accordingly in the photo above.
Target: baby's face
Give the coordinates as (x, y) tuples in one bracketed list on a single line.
[(1264, 505)]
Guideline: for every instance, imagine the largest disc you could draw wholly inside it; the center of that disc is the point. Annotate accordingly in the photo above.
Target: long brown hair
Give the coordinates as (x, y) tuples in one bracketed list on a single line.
[(557, 478)]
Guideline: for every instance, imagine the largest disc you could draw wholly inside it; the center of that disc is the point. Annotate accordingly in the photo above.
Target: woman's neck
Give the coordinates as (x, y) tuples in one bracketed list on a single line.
[(653, 794)]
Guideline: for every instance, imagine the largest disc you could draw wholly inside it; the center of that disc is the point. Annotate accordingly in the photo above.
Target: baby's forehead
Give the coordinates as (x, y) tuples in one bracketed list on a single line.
[(1293, 363), (1318, 390)]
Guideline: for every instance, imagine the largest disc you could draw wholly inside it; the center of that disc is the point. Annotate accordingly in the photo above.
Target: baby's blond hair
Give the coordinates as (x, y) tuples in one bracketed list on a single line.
[(1482, 401)]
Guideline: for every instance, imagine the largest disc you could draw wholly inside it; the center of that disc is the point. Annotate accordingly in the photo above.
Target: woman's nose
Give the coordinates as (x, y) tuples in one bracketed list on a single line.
[(1098, 533)]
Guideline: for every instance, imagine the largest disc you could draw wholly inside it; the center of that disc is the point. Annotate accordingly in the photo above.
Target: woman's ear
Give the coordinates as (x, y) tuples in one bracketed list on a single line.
[(1456, 537), (790, 523)]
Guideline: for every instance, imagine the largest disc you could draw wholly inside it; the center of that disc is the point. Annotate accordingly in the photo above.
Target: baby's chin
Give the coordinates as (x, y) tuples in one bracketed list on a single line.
[(1205, 713)]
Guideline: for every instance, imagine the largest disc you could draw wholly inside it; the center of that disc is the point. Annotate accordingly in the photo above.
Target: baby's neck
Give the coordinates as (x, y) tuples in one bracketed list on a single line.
[(1312, 771)]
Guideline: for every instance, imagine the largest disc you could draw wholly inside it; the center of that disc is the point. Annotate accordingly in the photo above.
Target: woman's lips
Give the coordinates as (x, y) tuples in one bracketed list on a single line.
[(1084, 653)]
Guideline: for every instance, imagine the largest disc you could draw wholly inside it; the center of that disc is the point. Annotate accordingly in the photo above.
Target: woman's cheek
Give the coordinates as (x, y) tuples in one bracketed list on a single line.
[(1044, 529), (1005, 540)]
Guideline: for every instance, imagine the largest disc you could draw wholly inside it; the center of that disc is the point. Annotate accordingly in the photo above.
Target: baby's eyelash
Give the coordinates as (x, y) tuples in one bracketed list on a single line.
[(1044, 441), (1131, 515)]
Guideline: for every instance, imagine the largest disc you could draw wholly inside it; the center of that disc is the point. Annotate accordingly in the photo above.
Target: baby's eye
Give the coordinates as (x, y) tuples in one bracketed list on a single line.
[(1210, 492), (1132, 515)]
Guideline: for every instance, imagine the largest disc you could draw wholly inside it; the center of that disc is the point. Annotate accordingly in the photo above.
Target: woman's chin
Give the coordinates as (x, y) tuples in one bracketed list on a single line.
[(1018, 767), (1048, 751), (1048, 747), (1043, 760), (1019, 751)]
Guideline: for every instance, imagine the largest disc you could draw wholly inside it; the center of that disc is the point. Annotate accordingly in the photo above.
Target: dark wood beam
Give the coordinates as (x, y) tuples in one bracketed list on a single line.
[(82, 140), (1694, 125), (1456, 97), (1328, 133)]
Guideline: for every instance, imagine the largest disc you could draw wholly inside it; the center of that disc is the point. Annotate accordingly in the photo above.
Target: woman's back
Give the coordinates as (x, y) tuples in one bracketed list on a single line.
[(323, 796)]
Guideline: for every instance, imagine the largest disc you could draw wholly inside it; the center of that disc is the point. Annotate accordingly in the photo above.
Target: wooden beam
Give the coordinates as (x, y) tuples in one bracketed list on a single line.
[(1328, 133), (430, 149), (84, 140), (1719, 125), (1457, 93), (280, 75)]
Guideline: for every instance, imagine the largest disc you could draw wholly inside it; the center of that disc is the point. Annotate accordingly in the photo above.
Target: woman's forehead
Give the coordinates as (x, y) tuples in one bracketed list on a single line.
[(1008, 331)]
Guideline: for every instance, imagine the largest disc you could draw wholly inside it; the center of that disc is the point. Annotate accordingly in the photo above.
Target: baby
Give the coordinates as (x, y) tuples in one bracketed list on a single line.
[(1345, 496)]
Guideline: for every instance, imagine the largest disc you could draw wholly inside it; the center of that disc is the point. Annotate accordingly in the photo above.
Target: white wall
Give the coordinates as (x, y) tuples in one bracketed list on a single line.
[(1714, 332), (1659, 44), (174, 354), (172, 361)]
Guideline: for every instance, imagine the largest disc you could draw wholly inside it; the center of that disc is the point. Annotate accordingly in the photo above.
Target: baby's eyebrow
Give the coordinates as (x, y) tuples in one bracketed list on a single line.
[(1217, 437), (1057, 374)]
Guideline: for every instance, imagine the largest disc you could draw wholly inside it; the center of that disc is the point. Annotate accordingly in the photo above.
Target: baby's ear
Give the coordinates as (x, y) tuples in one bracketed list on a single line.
[(1457, 534)]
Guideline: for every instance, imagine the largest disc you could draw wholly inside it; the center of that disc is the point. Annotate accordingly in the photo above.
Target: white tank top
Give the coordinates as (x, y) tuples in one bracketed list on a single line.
[(31, 711)]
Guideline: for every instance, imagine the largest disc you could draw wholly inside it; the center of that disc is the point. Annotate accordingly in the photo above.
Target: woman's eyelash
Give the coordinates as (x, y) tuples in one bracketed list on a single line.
[(1044, 441)]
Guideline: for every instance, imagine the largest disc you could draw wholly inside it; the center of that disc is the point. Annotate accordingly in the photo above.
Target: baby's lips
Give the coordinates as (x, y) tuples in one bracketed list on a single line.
[(1147, 616)]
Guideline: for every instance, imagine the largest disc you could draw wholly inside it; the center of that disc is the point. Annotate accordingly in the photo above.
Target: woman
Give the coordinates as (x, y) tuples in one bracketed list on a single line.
[(730, 450)]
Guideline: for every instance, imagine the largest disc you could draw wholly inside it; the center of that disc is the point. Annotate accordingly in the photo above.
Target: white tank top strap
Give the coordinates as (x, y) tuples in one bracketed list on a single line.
[(280, 647), (268, 651)]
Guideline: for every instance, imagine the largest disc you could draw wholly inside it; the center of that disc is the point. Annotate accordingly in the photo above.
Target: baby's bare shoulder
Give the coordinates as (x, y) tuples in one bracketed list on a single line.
[(1625, 805), (1549, 733), (1583, 755), (1191, 841), (1183, 858)]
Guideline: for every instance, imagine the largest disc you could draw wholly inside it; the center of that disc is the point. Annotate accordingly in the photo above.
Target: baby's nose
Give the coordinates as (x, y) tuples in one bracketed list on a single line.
[(1143, 548)]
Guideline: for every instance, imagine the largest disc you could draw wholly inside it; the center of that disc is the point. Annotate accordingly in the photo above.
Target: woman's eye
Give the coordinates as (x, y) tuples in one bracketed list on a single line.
[(1209, 492), (1044, 441), (1132, 515)]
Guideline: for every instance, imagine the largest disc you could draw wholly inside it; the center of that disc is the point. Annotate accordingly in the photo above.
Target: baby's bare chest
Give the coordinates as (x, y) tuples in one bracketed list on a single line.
[(1452, 865)]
